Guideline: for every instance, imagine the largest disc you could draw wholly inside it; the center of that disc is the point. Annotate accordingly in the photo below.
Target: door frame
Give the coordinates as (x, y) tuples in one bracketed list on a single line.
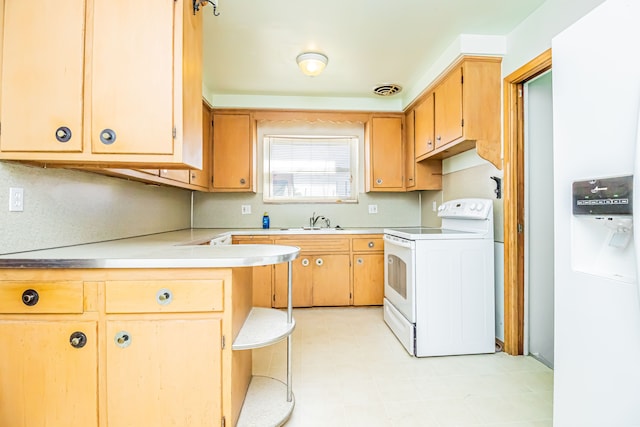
[(514, 244)]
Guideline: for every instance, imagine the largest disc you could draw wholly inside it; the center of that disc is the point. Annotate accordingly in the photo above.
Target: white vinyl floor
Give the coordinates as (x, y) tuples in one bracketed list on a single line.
[(349, 370)]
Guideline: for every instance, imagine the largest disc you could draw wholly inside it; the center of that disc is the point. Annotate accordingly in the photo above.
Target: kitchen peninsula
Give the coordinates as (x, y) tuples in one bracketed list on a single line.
[(153, 330)]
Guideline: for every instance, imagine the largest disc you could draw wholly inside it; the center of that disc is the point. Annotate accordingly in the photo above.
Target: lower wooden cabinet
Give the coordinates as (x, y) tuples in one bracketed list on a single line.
[(262, 275), (331, 271), (368, 270), (163, 372), (368, 279), (122, 348), (330, 280), (302, 292), (46, 380)]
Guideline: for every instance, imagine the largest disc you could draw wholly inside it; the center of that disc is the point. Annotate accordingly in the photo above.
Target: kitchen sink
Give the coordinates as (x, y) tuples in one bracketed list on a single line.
[(315, 229)]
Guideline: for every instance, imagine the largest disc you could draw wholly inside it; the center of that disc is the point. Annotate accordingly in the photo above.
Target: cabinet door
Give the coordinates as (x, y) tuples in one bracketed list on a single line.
[(232, 152), (424, 127), (409, 150), (302, 283), (448, 108), (387, 165), (261, 275), (132, 77), (163, 373), (202, 177), (368, 279), (331, 285), (42, 75), (45, 381)]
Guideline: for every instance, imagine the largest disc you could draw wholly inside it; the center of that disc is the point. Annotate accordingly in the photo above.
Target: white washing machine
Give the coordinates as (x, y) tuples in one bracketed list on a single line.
[(439, 282)]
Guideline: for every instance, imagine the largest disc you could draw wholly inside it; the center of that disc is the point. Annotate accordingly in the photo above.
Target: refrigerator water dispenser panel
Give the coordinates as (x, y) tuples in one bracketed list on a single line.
[(603, 196), (602, 228)]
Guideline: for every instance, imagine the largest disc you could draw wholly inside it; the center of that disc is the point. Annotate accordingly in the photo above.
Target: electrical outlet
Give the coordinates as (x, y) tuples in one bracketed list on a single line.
[(246, 209), (373, 209), (435, 206), (16, 199)]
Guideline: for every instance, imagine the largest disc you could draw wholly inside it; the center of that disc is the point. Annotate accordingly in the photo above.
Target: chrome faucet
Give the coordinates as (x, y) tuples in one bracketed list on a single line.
[(314, 219)]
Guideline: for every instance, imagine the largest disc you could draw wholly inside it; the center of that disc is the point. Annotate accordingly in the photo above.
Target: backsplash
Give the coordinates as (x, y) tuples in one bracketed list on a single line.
[(223, 210), (64, 207)]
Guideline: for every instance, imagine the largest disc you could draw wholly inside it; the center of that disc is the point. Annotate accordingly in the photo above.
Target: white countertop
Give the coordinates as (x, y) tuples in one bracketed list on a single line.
[(176, 249)]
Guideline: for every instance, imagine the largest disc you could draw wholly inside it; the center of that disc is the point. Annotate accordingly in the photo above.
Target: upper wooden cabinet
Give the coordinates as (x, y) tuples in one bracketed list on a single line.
[(465, 114), (194, 179), (423, 175), (104, 82), (424, 126), (233, 153), (384, 154)]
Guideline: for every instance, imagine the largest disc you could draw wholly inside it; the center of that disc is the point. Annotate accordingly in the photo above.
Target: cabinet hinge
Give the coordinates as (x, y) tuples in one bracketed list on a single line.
[(462, 123), (223, 422), (519, 92), (462, 79), (223, 342), (520, 228), (174, 132)]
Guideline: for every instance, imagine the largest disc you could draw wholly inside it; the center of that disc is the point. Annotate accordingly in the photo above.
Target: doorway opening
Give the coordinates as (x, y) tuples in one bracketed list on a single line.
[(515, 201)]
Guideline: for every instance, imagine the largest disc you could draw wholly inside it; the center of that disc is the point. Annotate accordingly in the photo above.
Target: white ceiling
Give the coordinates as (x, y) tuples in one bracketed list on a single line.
[(250, 49)]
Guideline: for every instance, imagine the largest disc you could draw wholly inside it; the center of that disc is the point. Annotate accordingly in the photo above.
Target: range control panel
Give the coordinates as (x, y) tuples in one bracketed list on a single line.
[(466, 209), (603, 196)]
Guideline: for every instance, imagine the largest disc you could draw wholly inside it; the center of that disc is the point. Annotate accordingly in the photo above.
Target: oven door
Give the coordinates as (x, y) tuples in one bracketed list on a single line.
[(399, 275)]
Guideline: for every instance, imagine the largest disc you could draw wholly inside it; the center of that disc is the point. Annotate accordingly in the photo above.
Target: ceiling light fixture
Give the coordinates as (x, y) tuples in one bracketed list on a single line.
[(312, 63)]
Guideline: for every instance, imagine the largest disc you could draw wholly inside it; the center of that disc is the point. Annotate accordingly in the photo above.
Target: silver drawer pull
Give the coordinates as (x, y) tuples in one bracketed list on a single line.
[(371, 244)]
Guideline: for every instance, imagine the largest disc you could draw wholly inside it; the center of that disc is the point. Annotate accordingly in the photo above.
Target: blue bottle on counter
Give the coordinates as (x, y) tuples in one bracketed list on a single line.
[(265, 220)]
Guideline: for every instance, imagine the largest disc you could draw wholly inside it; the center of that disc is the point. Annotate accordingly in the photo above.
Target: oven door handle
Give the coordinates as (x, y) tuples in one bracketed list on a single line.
[(397, 242)]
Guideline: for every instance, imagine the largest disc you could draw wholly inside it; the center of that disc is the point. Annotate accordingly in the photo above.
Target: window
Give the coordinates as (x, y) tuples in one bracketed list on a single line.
[(310, 168)]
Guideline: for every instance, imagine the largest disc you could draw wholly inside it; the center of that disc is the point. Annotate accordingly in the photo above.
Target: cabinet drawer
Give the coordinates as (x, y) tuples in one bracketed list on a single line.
[(317, 244), (163, 296), (41, 297), (368, 244)]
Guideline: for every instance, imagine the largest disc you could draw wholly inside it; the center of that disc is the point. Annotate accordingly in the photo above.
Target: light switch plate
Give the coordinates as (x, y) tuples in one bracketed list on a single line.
[(246, 209), (373, 209)]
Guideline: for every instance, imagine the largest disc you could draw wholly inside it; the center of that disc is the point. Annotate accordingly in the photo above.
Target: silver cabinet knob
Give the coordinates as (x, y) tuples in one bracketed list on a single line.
[(164, 296), (242, 181), (319, 262), (305, 262), (122, 339), (371, 244), (379, 181)]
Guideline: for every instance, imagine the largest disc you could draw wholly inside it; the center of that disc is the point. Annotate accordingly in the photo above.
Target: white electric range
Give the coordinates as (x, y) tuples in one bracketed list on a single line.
[(439, 282)]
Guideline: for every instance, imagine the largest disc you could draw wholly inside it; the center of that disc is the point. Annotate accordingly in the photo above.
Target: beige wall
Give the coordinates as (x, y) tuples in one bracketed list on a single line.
[(63, 207), (465, 175), (223, 210)]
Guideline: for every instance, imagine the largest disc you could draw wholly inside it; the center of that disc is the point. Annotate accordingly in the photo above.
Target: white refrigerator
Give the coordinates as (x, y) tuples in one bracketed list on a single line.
[(596, 101)]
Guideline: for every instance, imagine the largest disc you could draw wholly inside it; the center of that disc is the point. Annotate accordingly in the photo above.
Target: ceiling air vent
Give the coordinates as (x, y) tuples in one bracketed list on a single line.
[(387, 89)]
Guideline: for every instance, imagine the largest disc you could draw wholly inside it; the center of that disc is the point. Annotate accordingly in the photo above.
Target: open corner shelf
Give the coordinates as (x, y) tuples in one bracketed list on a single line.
[(263, 327), (269, 402)]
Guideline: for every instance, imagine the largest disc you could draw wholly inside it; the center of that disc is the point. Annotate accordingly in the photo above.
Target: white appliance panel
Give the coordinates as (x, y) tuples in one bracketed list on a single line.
[(596, 98), (399, 275), (457, 315), (400, 326)]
